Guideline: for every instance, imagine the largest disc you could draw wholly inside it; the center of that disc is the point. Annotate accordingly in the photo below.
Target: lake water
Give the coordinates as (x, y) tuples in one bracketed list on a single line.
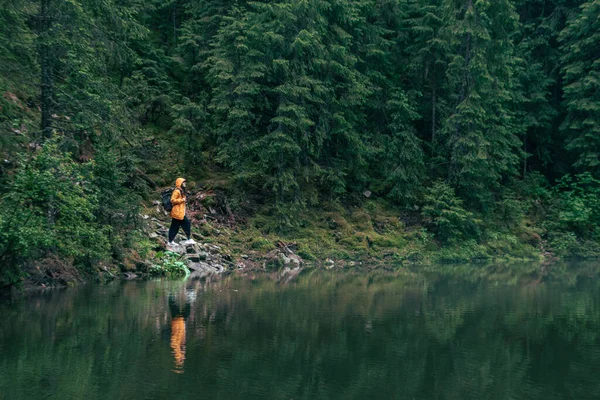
[(452, 332)]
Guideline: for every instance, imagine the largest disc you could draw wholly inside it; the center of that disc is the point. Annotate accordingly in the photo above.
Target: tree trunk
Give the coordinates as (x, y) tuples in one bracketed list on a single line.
[(525, 155), (44, 55), (433, 116)]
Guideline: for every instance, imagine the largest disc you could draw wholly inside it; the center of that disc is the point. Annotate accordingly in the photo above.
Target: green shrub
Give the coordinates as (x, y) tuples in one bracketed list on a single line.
[(576, 207), (306, 255), (261, 244), (466, 251), (49, 208), (563, 244), (573, 220), (445, 216), (510, 212), (169, 264)]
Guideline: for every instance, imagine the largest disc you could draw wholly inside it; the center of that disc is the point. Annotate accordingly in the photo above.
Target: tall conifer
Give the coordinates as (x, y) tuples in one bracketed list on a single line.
[(581, 68)]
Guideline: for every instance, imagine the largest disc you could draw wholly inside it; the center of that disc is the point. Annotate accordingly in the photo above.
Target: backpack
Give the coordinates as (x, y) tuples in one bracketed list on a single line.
[(166, 199)]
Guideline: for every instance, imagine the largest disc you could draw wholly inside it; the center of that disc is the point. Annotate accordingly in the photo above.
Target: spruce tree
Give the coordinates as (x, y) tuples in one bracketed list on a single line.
[(387, 128), (405, 167), (541, 83), (428, 52), (481, 135), (199, 26), (580, 42), (288, 98)]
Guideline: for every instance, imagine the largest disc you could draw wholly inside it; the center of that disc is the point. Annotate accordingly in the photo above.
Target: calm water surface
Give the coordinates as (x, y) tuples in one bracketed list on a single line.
[(453, 332)]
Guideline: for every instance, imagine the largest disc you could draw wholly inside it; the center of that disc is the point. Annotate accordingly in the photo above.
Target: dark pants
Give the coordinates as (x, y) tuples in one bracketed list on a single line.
[(176, 224)]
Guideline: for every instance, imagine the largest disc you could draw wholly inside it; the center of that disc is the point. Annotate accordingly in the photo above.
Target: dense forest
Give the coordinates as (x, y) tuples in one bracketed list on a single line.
[(477, 121)]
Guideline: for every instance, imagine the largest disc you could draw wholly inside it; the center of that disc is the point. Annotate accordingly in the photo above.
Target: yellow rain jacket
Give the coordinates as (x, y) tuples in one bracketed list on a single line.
[(178, 201)]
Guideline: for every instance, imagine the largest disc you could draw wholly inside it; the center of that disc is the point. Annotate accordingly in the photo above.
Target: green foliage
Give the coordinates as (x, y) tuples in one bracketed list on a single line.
[(261, 244), (286, 93), (576, 206), (301, 104), (445, 215), (169, 264), (480, 134), (581, 69), (50, 207), (404, 153), (190, 127), (540, 81)]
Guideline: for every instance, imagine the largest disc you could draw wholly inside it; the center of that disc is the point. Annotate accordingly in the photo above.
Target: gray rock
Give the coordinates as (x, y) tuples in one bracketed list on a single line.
[(286, 260), (206, 267), (200, 266), (219, 268), (295, 259), (290, 259), (176, 248), (214, 249)]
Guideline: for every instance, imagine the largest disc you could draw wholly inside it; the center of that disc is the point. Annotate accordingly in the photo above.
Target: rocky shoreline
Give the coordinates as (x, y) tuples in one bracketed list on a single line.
[(205, 258), (222, 248), (201, 258)]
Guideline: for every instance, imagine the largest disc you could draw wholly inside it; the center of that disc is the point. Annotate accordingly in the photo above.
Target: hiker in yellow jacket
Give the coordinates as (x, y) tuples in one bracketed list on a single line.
[(180, 220)]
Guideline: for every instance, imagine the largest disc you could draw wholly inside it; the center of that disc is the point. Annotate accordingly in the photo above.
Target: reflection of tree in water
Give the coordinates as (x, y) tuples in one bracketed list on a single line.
[(447, 338), (451, 335)]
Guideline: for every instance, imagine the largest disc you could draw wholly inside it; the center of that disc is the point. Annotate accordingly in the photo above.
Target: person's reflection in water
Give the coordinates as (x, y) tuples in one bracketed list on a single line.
[(178, 316)]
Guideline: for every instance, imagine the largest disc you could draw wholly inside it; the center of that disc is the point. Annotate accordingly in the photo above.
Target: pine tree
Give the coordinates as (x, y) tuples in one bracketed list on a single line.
[(406, 165), (81, 52), (191, 127), (18, 76), (235, 75), (287, 96), (541, 83), (393, 151), (428, 52), (580, 42), (200, 24), (480, 134)]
